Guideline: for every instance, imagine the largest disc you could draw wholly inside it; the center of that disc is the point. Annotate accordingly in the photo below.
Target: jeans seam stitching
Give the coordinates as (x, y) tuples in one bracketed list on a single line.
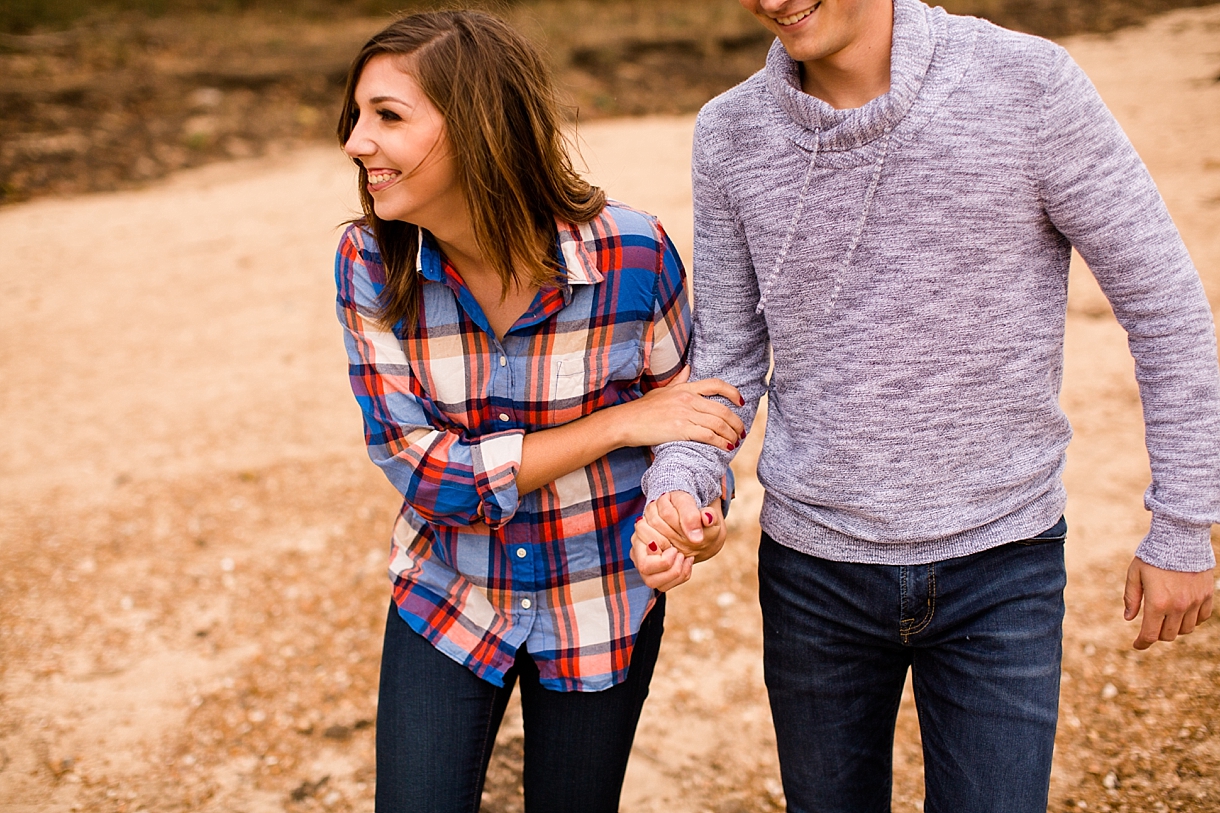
[(931, 604), (904, 623)]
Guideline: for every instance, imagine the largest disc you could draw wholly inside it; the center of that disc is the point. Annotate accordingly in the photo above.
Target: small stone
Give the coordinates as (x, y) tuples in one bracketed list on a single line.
[(1111, 781), (206, 98), (1109, 692)]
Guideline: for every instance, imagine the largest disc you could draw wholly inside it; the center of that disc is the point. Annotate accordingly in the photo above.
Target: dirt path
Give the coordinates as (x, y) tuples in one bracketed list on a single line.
[(191, 538)]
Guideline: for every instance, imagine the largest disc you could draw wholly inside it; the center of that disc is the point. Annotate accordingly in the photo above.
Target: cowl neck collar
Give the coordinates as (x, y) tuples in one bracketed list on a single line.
[(914, 44)]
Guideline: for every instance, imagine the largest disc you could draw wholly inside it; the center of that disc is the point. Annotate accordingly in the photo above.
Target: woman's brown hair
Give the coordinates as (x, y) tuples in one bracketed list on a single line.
[(501, 119)]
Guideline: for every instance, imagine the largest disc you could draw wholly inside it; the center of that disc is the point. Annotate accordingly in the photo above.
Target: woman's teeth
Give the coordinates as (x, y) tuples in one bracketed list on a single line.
[(382, 177), (796, 18)]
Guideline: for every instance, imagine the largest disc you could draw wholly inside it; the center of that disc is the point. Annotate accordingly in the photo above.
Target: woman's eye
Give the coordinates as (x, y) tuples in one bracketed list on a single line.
[(389, 115)]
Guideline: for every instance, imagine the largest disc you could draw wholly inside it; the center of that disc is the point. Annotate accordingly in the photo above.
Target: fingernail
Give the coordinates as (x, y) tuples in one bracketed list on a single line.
[(743, 402), (708, 516), (743, 435), (732, 446), (652, 546)]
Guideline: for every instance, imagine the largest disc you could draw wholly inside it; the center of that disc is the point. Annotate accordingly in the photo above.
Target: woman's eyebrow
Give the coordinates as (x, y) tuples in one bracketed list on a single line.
[(380, 99)]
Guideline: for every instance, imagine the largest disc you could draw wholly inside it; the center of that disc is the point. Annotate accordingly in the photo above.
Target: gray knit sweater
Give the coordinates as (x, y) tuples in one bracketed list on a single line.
[(905, 265)]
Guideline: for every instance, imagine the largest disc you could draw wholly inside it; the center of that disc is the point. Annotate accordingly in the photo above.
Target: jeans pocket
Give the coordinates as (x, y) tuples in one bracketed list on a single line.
[(1056, 534)]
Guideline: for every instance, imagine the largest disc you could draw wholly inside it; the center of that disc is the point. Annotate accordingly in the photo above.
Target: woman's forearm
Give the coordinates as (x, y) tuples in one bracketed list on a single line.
[(677, 411), (550, 454)]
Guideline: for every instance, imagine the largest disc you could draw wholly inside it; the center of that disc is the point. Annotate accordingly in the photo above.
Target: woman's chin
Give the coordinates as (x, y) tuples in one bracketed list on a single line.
[(386, 211)]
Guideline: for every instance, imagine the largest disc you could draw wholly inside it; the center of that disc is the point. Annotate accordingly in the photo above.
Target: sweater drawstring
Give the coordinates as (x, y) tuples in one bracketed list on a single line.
[(840, 276), (796, 219)]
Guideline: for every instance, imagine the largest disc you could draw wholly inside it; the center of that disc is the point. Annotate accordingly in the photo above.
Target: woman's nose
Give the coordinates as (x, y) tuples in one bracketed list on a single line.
[(357, 143)]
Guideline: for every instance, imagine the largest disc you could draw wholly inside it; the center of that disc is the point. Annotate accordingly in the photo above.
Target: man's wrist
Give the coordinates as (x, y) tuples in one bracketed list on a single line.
[(1172, 544)]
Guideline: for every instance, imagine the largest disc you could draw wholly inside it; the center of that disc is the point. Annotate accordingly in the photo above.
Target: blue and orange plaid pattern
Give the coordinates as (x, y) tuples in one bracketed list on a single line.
[(479, 569)]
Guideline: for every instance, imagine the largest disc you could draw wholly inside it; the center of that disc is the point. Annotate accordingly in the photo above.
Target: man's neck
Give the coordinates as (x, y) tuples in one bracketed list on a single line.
[(858, 73)]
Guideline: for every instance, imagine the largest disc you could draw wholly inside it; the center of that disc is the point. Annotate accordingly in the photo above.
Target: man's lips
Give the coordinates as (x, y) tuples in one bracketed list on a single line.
[(793, 19)]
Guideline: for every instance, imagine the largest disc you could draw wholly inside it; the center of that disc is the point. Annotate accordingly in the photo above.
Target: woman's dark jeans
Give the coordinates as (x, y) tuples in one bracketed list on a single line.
[(437, 723), (982, 635)]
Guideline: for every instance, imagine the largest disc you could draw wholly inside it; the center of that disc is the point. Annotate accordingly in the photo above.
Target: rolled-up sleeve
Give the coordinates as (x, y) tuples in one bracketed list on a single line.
[(447, 476)]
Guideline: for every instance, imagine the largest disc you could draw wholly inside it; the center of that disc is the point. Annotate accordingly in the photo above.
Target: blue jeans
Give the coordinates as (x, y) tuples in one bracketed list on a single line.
[(437, 723), (982, 635)]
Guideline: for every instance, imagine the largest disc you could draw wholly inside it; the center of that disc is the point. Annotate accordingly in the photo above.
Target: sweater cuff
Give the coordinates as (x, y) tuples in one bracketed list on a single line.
[(659, 481), (1174, 545)]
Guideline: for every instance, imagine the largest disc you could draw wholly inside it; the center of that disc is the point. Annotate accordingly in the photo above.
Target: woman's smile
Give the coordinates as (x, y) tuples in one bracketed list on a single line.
[(381, 179)]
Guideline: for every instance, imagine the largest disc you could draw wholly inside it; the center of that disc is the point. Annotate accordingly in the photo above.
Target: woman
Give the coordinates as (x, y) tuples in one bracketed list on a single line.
[(516, 344)]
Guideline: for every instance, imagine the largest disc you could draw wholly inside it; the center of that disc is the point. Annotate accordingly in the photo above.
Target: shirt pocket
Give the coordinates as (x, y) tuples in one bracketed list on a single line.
[(587, 376)]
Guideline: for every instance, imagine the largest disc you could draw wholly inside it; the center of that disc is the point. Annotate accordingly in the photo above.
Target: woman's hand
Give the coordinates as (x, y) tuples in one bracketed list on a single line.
[(662, 564), (696, 532), (681, 411)]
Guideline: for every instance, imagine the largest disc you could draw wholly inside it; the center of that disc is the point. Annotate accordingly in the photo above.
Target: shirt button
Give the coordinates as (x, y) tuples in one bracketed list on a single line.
[(503, 416), (503, 361), (526, 604), (520, 553)]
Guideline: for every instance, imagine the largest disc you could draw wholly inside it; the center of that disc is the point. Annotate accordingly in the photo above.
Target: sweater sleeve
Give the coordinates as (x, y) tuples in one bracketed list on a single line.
[(1099, 195), (730, 339), (447, 477)]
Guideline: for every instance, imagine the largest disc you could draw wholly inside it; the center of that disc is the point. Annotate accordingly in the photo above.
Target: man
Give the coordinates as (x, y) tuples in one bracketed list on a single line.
[(886, 213)]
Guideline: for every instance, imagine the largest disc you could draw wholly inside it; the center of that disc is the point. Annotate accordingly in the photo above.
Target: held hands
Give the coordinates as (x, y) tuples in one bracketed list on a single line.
[(682, 411), (665, 553), (1174, 603)]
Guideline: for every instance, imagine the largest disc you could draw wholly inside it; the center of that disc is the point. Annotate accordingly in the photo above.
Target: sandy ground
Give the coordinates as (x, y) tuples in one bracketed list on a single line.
[(192, 540)]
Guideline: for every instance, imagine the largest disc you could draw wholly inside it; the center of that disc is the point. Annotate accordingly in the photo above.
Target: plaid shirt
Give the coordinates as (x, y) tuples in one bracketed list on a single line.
[(479, 569)]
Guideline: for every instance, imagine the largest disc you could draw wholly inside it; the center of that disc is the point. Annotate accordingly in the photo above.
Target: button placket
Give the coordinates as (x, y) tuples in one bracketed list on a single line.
[(502, 387)]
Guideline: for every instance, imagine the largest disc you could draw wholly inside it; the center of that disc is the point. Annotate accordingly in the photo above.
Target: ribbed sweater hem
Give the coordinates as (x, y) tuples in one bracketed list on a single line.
[(794, 530)]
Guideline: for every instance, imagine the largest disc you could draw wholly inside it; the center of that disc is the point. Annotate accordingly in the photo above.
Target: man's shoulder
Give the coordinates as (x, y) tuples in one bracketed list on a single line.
[(996, 47), (734, 116)]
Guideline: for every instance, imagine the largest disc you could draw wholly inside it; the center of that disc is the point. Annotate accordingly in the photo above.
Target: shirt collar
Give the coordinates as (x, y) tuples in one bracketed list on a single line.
[(575, 249)]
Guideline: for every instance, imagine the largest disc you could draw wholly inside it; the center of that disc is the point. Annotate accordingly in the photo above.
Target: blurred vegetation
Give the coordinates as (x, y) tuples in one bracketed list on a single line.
[(101, 94), (1048, 18), (29, 16)]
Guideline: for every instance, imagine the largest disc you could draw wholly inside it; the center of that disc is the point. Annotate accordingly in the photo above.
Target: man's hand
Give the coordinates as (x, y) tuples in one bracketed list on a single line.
[(697, 532), (1174, 603)]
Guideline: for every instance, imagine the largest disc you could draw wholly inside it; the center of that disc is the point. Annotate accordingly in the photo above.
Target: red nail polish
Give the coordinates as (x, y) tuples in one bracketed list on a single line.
[(743, 435), (708, 517), (743, 402), (652, 546), (732, 446)]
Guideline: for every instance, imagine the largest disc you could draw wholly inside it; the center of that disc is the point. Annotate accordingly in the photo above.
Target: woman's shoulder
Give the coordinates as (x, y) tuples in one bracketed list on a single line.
[(627, 221), (358, 256), (357, 238)]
